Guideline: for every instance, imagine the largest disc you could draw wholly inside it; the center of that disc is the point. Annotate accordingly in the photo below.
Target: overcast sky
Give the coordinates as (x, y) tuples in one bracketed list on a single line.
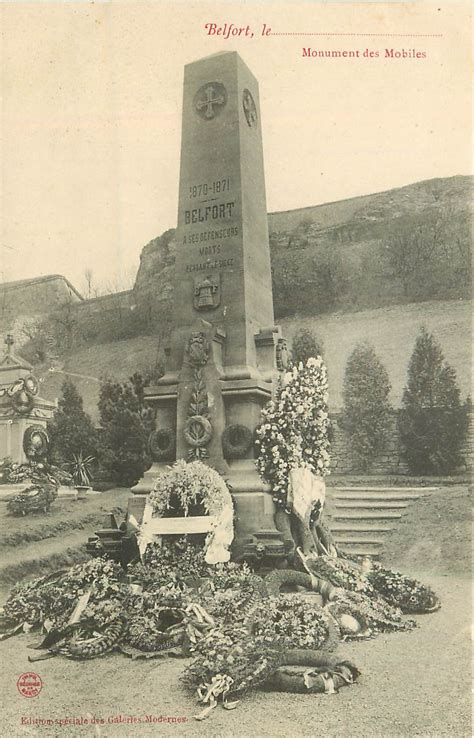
[(91, 115)]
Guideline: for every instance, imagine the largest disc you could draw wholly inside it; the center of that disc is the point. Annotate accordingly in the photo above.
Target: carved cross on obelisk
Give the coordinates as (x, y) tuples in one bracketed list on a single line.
[(208, 101)]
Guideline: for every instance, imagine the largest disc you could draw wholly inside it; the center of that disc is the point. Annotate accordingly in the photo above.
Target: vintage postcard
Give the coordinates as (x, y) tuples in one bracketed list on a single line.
[(236, 433)]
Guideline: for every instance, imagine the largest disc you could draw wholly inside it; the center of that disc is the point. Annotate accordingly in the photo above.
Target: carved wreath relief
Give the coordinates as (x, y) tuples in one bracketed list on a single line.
[(21, 395), (35, 442), (198, 428), (210, 99)]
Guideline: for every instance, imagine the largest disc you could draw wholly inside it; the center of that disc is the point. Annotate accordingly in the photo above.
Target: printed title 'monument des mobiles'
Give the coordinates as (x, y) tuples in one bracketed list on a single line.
[(308, 52)]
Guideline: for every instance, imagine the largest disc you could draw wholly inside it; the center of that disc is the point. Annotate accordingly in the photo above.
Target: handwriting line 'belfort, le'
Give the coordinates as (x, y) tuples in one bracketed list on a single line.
[(228, 30)]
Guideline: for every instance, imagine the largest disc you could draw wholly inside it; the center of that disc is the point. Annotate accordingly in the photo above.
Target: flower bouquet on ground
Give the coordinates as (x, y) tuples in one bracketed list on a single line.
[(42, 481)]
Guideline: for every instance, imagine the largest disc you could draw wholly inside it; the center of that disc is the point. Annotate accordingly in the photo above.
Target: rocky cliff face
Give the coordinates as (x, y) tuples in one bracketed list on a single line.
[(405, 245)]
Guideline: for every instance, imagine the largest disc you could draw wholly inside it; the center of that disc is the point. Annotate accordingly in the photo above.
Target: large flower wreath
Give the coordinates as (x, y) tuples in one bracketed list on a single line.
[(188, 484), (294, 429)]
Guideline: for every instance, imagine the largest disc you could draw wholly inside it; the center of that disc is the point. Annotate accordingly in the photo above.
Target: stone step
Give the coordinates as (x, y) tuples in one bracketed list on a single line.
[(367, 515), (359, 550), (374, 496), (352, 537), (417, 490), (370, 505), (369, 527)]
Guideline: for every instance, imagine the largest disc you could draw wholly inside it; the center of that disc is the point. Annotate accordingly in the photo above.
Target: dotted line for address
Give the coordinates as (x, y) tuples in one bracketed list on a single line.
[(397, 35)]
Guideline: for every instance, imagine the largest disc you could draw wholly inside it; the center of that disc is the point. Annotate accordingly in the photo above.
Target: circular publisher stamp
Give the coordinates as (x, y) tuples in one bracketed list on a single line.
[(29, 684)]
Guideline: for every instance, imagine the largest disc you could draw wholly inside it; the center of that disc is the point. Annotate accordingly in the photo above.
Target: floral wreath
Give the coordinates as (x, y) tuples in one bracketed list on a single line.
[(35, 442), (197, 431), (236, 441), (192, 483), (162, 444)]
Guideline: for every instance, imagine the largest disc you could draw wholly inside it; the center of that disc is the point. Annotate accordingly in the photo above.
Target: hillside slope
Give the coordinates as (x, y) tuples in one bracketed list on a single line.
[(402, 246), (391, 330), (405, 245)]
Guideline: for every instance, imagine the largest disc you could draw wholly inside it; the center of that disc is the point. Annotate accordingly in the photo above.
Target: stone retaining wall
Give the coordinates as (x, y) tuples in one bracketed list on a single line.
[(389, 461)]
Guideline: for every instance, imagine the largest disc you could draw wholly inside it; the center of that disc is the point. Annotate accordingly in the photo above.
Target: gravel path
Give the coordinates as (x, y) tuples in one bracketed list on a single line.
[(413, 684)]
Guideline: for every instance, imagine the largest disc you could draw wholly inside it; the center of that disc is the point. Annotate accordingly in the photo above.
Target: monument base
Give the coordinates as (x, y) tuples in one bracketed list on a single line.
[(147, 482), (256, 539)]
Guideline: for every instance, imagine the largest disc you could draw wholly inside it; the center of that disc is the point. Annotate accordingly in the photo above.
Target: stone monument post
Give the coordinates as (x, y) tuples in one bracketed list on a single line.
[(23, 413), (225, 351)]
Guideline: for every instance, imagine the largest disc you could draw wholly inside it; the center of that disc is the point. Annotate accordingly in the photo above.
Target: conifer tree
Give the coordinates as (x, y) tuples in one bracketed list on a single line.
[(71, 430), (305, 345), (367, 409), (432, 422), (122, 447)]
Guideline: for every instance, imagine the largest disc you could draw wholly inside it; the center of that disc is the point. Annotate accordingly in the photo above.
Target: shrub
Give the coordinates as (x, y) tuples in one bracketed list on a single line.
[(305, 345), (122, 445), (71, 431), (433, 422), (366, 413)]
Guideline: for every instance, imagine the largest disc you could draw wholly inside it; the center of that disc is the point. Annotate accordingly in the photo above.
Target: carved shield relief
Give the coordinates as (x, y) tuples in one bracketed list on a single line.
[(207, 292)]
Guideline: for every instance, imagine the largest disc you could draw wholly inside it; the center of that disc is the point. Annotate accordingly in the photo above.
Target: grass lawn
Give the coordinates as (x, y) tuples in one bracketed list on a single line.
[(37, 544)]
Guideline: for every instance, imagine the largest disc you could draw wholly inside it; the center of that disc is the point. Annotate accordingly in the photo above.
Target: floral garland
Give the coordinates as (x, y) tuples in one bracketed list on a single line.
[(410, 595), (53, 599), (341, 573), (373, 615), (31, 500), (230, 654), (289, 622), (237, 635), (395, 589), (189, 484), (294, 428), (170, 562)]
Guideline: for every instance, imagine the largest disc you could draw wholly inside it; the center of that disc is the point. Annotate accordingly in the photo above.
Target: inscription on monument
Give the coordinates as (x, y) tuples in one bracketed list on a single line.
[(213, 188), (210, 212), (211, 235), (216, 264)]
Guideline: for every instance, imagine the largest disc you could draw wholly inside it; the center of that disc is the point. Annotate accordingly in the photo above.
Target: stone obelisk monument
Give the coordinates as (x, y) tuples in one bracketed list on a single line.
[(224, 351)]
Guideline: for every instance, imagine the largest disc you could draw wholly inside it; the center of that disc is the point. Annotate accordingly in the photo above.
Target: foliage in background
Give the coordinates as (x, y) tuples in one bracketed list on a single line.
[(122, 437), (367, 411), (71, 431), (433, 422), (141, 380), (294, 428), (305, 345)]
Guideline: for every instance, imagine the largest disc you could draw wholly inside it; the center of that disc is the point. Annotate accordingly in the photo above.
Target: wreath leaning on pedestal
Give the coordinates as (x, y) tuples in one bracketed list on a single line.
[(188, 484)]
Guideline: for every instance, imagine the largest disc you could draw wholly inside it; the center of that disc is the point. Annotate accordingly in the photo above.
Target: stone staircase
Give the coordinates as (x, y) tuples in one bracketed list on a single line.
[(360, 518)]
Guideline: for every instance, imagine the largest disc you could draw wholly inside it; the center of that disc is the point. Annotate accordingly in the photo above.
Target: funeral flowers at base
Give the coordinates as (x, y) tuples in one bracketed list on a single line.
[(294, 428)]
